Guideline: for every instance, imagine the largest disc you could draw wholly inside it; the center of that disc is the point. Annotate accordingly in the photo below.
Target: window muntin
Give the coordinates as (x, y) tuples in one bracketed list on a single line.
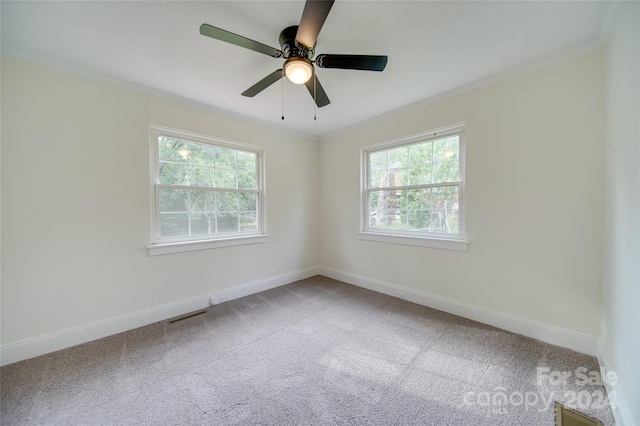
[(414, 186), (205, 189)]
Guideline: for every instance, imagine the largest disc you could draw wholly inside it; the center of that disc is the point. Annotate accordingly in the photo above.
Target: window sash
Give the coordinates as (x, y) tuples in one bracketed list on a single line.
[(422, 186), (207, 188), (368, 188), (187, 233), (404, 213)]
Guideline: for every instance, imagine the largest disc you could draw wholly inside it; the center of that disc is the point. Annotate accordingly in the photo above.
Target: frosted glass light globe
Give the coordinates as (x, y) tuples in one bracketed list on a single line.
[(298, 70)]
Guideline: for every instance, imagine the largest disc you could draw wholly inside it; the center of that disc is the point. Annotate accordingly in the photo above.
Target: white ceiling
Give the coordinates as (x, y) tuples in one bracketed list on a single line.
[(433, 48)]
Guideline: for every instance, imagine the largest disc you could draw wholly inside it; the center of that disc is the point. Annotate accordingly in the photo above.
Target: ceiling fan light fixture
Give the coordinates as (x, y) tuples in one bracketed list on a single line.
[(298, 69)]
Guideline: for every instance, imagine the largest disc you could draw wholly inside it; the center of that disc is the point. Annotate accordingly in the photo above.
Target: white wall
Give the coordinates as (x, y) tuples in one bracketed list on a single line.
[(534, 199), (621, 284), (76, 204)]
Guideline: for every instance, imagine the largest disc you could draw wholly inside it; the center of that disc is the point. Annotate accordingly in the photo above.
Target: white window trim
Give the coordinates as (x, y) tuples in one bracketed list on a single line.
[(159, 246), (420, 241), (179, 247), (457, 242)]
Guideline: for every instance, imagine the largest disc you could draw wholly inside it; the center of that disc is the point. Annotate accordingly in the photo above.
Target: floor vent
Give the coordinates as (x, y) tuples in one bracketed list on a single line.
[(187, 316), (568, 417)]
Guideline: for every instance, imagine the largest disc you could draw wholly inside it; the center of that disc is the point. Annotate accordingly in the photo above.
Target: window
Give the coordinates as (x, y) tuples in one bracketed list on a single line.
[(206, 192), (413, 190)]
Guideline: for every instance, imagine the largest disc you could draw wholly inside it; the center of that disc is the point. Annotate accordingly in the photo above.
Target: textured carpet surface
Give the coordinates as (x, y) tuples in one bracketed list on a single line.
[(317, 351)]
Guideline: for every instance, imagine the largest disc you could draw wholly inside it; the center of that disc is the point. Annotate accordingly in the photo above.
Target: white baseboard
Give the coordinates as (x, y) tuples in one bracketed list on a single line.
[(74, 336), (554, 335), (60, 340), (546, 333), (621, 412)]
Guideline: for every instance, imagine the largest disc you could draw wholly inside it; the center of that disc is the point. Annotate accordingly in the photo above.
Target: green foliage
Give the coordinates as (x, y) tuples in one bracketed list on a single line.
[(225, 194), (419, 201)]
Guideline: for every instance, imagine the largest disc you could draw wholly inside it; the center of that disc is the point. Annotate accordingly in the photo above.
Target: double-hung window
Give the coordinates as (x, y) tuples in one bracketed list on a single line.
[(206, 192), (413, 190)]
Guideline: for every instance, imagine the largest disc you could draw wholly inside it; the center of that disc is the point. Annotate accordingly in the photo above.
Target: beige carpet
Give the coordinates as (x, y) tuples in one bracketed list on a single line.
[(317, 351)]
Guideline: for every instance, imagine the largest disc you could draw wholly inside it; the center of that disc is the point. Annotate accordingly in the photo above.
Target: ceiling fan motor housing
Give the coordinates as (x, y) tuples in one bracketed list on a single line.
[(289, 46)]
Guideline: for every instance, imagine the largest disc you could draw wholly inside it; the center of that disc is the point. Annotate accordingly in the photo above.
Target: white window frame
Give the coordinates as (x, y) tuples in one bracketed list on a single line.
[(160, 245), (414, 238)]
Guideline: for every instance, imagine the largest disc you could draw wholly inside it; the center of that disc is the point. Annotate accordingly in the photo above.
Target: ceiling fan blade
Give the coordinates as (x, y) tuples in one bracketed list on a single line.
[(320, 97), (352, 62), (263, 84), (226, 36), (313, 16)]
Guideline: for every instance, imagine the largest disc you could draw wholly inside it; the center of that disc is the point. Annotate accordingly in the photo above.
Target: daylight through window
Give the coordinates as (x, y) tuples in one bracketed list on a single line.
[(205, 189), (414, 186)]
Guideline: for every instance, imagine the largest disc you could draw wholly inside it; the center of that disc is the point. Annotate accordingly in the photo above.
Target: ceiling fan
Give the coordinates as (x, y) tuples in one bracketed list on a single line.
[(297, 45)]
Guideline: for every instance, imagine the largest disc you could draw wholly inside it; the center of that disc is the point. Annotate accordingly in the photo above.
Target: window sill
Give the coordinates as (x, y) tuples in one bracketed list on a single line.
[(183, 246), (438, 243)]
